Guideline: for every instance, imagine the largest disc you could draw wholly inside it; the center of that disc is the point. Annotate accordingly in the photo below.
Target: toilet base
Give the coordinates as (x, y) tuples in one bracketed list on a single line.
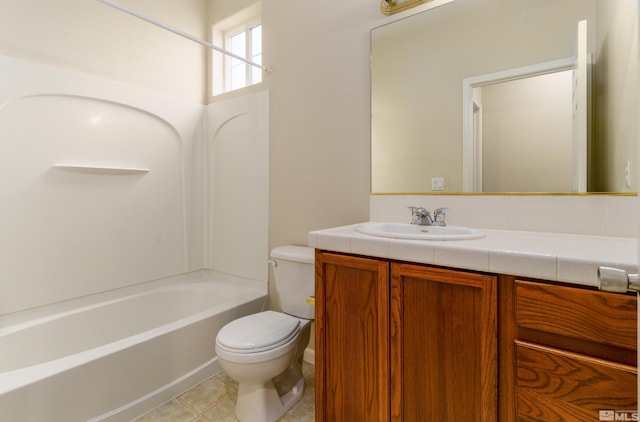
[(263, 402)]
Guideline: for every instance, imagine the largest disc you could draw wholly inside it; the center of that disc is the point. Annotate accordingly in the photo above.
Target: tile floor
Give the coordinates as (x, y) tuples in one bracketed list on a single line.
[(214, 401)]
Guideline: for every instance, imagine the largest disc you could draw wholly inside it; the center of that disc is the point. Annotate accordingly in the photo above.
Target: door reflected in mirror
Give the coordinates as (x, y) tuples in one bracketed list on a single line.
[(521, 133), (428, 135)]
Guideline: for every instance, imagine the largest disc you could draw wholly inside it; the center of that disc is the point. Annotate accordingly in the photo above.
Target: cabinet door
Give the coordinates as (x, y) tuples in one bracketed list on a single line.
[(352, 339), (443, 345)]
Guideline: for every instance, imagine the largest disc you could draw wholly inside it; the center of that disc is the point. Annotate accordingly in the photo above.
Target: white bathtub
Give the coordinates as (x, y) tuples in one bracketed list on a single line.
[(116, 355)]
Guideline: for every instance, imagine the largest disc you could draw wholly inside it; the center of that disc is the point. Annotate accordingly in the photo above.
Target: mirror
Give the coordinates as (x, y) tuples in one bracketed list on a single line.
[(425, 70)]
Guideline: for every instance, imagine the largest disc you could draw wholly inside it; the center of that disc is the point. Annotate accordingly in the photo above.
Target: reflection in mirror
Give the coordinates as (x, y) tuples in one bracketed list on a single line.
[(515, 120), (419, 68), (520, 124)]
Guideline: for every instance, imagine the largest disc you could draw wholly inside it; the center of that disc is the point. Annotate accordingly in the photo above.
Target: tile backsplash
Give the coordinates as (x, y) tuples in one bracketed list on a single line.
[(601, 215)]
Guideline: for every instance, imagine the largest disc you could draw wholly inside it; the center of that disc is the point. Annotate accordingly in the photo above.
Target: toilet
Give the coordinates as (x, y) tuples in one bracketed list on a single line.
[(264, 351)]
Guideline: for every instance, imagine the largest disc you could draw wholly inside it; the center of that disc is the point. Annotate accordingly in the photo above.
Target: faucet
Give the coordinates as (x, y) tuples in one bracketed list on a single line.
[(422, 217)]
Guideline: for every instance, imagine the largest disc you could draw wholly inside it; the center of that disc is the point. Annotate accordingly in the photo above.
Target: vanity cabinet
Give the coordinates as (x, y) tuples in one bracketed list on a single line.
[(398, 341), (403, 342), (574, 352)]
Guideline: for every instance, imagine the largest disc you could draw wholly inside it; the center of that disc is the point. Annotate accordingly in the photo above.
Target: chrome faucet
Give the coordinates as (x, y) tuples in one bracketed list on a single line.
[(422, 217)]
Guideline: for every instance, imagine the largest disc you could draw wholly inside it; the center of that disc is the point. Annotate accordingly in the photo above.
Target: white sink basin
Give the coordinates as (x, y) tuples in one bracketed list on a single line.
[(413, 231)]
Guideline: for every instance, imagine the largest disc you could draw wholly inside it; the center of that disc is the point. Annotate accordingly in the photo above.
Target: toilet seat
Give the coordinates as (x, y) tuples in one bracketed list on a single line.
[(258, 337)]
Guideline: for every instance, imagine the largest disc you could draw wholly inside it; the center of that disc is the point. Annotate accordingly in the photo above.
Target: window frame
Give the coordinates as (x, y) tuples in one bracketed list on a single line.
[(244, 28)]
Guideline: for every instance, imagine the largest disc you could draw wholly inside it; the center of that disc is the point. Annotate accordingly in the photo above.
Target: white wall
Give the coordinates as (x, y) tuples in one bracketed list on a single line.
[(598, 215), (93, 179), (91, 37), (617, 66), (320, 148), (70, 234), (237, 182), (319, 106)]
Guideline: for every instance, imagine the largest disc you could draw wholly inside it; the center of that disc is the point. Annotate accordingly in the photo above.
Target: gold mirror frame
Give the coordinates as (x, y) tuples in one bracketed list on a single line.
[(389, 7)]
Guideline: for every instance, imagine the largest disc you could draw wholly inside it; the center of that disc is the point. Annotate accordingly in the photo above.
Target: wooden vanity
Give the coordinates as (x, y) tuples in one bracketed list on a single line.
[(404, 341)]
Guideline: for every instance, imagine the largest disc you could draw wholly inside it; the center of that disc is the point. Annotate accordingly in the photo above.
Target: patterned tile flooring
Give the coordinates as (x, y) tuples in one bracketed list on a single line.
[(214, 401)]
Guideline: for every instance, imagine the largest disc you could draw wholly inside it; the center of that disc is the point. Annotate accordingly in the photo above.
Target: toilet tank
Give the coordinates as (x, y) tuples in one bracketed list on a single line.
[(293, 275)]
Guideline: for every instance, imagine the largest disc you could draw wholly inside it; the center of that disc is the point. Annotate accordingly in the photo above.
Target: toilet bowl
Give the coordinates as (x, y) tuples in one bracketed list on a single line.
[(264, 351)]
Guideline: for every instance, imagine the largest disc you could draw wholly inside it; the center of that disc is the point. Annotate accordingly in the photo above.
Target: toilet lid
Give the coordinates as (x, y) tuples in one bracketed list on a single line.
[(258, 332), (303, 254)]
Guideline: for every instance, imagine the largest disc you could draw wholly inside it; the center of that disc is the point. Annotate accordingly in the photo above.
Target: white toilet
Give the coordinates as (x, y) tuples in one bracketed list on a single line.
[(264, 351)]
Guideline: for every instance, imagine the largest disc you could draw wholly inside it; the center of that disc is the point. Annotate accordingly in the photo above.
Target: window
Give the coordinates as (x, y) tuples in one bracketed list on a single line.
[(240, 33), (245, 42)]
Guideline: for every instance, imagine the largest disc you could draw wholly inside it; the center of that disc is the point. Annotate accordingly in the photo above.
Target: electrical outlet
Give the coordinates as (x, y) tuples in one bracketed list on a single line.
[(437, 183)]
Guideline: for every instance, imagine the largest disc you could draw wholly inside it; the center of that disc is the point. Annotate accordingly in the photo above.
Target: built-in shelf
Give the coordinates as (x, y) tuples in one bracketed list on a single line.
[(100, 169)]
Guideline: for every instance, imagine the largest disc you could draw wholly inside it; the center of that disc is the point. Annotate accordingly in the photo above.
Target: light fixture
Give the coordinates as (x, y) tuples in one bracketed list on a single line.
[(389, 7)]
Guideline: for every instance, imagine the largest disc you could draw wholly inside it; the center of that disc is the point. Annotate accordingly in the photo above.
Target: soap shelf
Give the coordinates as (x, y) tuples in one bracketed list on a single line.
[(100, 169)]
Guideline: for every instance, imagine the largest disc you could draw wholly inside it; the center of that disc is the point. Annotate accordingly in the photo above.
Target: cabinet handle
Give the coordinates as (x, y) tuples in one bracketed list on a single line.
[(617, 281)]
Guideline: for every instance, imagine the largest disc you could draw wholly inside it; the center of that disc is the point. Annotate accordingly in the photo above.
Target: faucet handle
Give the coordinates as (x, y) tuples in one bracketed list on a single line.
[(439, 216), (417, 214)]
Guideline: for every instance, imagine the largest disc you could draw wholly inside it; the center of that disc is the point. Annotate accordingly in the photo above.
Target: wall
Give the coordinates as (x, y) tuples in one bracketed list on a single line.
[(237, 180), (76, 220), (91, 37), (319, 102), (598, 215), (616, 66), (69, 234), (320, 148)]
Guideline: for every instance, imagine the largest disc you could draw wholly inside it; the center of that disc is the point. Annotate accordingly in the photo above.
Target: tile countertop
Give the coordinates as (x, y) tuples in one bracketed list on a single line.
[(561, 257)]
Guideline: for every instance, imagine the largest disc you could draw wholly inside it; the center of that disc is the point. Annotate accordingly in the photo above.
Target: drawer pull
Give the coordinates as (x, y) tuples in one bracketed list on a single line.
[(617, 281)]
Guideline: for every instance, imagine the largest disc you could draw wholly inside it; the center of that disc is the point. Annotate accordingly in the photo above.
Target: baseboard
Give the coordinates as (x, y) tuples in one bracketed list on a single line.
[(309, 356)]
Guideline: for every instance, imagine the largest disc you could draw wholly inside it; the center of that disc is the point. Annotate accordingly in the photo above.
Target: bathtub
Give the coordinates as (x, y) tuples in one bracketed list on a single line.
[(116, 355)]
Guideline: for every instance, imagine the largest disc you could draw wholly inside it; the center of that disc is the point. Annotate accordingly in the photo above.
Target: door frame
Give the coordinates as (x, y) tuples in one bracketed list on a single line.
[(469, 162)]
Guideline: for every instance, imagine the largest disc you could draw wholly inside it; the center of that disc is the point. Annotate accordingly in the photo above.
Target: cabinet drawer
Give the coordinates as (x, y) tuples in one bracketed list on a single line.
[(586, 316), (554, 385)]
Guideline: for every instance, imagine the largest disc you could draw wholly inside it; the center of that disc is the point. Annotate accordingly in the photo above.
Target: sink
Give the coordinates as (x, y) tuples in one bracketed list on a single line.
[(417, 232)]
